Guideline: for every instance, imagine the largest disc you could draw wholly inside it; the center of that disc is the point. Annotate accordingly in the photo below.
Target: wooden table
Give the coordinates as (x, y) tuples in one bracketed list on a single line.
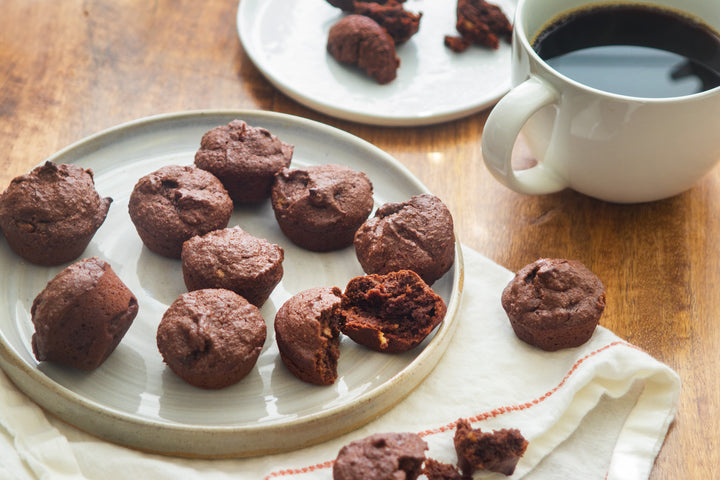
[(70, 68)]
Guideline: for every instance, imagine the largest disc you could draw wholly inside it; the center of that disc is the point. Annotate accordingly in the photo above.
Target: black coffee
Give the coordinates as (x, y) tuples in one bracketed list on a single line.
[(634, 50)]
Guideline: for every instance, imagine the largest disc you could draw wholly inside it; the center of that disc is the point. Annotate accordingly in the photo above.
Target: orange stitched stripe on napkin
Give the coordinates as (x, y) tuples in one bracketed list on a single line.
[(525, 406), (296, 471), (477, 418)]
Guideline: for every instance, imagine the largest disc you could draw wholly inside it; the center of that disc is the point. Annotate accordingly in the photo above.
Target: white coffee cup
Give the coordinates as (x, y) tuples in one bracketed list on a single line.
[(612, 147)]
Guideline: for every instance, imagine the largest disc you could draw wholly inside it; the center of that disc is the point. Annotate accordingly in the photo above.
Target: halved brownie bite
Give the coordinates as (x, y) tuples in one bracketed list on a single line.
[(308, 335), (361, 41), (390, 313), (496, 451)]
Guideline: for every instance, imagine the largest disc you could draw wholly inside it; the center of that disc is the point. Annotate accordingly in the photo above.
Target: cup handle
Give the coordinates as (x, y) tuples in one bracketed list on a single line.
[(502, 128)]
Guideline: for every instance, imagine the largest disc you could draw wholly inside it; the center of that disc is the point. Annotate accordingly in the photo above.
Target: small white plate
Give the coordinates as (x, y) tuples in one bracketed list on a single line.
[(286, 40), (133, 399)]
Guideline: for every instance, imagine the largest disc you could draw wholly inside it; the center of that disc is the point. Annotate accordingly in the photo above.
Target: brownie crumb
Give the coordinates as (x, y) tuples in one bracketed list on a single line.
[(435, 470), (457, 44)]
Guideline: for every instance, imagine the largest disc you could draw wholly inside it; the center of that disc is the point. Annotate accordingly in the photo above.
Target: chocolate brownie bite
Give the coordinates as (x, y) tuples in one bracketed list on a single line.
[(435, 470), (344, 5), (554, 303), (211, 338), (308, 335), (414, 235), (244, 158), (359, 40), (497, 451), (175, 203), (320, 207), (349, 5), (234, 260), (399, 23), (49, 215), (390, 313), (381, 456), (479, 22), (82, 314)]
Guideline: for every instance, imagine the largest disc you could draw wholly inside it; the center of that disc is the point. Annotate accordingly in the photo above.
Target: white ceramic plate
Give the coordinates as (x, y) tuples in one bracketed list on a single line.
[(286, 40), (133, 399)]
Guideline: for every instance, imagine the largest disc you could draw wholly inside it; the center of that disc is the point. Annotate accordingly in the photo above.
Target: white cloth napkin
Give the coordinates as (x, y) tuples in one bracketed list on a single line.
[(598, 411)]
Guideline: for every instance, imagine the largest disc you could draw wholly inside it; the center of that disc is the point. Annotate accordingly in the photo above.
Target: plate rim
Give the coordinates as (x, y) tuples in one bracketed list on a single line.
[(355, 115), (126, 429)]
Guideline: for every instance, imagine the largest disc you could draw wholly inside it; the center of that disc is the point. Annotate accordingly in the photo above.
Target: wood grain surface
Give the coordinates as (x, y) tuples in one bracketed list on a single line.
[(70, 68)]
